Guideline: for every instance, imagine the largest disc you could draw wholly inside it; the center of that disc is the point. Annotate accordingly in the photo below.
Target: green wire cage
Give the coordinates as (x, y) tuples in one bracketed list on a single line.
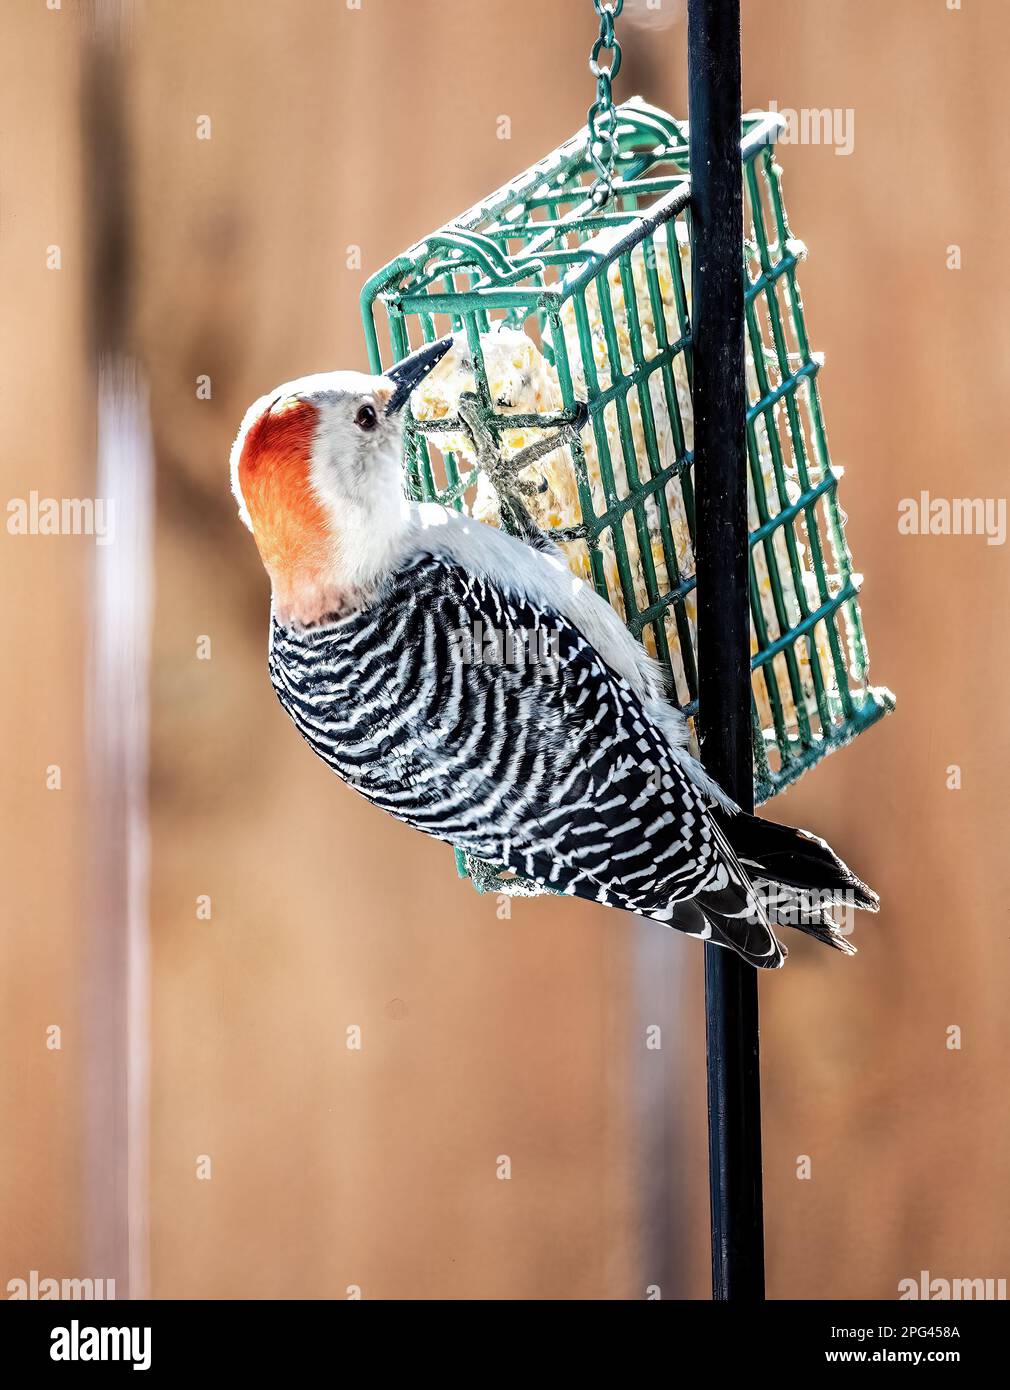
[(570, 407)]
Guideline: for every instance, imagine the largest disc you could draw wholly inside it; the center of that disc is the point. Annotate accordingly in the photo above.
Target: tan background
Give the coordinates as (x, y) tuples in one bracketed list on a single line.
[(483, 1037)]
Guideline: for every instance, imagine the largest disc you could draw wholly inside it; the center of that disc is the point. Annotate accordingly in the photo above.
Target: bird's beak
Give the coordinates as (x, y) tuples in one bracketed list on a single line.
[(407, 375)]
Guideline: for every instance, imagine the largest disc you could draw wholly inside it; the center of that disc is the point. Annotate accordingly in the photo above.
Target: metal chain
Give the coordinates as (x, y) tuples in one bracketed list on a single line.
[(602, 113)]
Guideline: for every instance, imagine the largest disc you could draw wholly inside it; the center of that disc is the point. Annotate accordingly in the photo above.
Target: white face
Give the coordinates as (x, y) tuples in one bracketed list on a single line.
[(357, 453)]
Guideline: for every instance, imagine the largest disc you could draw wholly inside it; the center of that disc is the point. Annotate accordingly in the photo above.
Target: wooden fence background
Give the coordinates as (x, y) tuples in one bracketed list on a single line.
[(333, 1168)]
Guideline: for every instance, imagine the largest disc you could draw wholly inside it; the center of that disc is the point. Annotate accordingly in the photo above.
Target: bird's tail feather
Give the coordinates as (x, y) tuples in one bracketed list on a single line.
[(796, 860), (728, 913), (752, 939), (771, 875), (789, 907)]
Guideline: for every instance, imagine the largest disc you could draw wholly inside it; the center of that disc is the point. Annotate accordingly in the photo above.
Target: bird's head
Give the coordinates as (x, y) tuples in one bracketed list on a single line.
[(316, 469)]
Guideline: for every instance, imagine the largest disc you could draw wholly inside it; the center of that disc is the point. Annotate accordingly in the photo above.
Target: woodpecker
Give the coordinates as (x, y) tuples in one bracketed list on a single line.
[(468, 683)]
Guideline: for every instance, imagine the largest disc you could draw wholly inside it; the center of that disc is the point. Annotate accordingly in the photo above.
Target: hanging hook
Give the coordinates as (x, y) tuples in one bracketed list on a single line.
[(602, 119)]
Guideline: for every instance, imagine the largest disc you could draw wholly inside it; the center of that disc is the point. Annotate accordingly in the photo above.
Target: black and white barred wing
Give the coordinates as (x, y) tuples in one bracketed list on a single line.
[(490, 722)]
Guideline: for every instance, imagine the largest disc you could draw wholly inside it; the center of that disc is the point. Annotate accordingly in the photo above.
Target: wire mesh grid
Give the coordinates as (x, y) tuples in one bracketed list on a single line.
[(576, 323)]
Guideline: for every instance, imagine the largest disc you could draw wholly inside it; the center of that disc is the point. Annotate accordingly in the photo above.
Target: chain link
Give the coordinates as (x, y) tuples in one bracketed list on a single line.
[(603, 114)]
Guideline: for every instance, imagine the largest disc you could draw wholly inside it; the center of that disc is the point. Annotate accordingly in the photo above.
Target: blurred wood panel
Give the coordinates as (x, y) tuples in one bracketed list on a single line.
[(48, 428)]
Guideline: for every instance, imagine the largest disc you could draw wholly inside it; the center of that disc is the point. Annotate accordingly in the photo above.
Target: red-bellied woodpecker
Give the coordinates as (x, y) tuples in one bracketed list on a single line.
[(471, 685)]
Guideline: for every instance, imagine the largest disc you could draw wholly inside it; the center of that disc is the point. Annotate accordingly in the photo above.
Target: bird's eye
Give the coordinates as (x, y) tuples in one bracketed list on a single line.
[(366, 418)]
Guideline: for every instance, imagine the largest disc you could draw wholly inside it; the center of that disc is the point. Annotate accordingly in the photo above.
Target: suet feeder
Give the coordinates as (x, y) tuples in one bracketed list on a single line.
[(577, 324)]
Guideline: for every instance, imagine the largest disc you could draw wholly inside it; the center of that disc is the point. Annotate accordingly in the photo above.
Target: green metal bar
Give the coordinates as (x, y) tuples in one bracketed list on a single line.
[(582, 483), (796, 437)]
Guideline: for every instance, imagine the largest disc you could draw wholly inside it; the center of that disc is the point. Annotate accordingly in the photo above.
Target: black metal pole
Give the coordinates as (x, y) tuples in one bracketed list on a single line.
[(720, 461)]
